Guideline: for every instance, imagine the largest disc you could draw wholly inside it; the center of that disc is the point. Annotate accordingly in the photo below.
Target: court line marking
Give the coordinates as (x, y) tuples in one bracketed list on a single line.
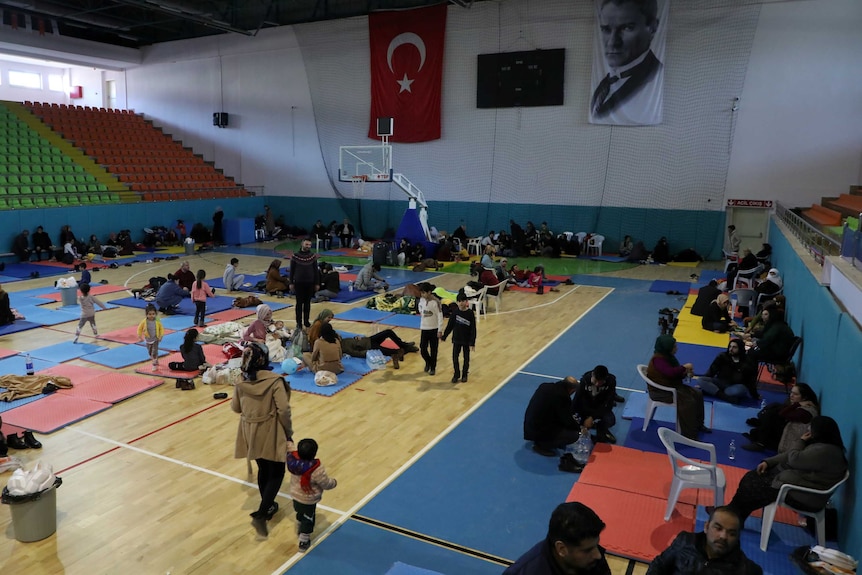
[(398, 472), (558, 378)]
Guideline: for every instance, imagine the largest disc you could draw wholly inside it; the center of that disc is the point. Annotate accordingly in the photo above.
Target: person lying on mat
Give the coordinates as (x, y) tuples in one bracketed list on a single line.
[(817, 461), (717, 315), (549, 420), (715, 550), (594, 403), (571, 546), (664, 369), (731, 375)]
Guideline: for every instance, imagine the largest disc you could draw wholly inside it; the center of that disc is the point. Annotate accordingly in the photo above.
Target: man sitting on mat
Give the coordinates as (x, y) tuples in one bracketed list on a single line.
[(549, 421), (571, 547), (715, 550), (594, 403)]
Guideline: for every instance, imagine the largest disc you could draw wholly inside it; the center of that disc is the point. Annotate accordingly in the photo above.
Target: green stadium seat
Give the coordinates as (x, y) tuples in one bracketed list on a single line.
[(37, 189), (13, 179), (50, 189), (38, 179), (14, 203), (3, 204), (4, 180), (12, 190), (26, 180), (80, 179), (27, 202), (26, 190), (79, 169), (68, 178), (92, 188), (39, 202), (102, 187), (50, 201), (62, 200), (61, 188), (4, 169), (25, 169)]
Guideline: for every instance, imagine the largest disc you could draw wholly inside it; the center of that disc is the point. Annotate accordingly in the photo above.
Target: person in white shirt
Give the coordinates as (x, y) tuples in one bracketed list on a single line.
[(431, 325), (232, 280)]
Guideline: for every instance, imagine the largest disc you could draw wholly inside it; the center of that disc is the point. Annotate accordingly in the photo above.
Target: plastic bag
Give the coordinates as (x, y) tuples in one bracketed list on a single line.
[(325, 378), (66, 282), (10, 463), (38, 479)]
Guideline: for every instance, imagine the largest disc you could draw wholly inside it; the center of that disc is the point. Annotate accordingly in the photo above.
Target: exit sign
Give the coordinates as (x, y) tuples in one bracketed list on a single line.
[(749, 204)]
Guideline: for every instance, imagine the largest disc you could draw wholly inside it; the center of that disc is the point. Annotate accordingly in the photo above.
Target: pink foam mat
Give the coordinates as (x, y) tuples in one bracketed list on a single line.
[(635, 523), (95, 289), (212, 352), (232, 314), (77, 373), (112, 387), (53, 412), (732, 476), (126, 334), (7, 353)]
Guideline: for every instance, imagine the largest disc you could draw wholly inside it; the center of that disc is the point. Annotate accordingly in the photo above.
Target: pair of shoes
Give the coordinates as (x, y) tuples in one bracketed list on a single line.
[(568, 464), (432, 371), (304, 541), (464, 378), (455, 378), (259, 524), (187, 384), (619, 399), (754, 447), (15, 442), (547, 452), (273, 509), (752, 422)]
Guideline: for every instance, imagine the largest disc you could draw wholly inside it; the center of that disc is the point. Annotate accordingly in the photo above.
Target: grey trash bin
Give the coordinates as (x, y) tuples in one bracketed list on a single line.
[(69, 295), (36, 519), (190, 248)]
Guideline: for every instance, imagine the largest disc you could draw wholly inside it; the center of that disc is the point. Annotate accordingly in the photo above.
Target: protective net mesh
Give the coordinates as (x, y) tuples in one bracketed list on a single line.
[(548, 155)]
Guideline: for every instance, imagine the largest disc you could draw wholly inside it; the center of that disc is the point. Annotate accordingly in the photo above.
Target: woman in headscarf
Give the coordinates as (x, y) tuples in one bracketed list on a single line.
[(326, 352), (275, 282), (324, 317), (717, 317), (817, 461), (257, 330), (779, 425), (664, 369), (262, 398), (772, 284), (774, 344)]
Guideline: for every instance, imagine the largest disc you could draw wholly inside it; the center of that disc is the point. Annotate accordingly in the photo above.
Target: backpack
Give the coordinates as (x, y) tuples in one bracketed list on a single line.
[(157, 281)]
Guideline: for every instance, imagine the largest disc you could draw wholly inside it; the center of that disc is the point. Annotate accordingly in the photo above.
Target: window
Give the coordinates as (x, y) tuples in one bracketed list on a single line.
[(25, 79), (55, 82)]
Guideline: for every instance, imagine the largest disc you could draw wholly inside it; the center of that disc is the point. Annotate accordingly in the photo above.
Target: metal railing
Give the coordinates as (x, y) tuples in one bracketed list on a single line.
[(818, 244)]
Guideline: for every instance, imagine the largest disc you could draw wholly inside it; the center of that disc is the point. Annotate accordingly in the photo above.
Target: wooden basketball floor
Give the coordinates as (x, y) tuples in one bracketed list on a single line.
[(151, 485)]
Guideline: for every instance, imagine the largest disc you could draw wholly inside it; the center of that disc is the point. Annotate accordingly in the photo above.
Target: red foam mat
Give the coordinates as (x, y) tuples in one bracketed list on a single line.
[(7, 353), (95, 289), (612, 465), (53, 412), (112, 387), (127, 334), (77, 373), (212, 353), (732, 476), (635, 523)]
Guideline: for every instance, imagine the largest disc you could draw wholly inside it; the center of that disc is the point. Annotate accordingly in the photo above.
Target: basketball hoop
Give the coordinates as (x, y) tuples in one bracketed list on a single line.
[(359, 185)]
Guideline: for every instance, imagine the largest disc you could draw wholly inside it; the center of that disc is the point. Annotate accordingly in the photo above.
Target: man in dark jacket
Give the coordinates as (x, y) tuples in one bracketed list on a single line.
[(594, 403), (304, 281), (549, 421), (571, 547), (714, 551)]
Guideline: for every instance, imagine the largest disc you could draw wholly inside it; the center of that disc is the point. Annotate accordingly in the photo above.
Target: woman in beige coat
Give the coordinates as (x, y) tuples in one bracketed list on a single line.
[(262, 399), (326, 354)]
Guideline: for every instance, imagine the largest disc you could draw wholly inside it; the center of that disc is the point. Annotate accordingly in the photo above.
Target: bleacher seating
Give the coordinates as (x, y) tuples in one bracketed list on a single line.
[(147, 161), (822, 215), (847, 204)]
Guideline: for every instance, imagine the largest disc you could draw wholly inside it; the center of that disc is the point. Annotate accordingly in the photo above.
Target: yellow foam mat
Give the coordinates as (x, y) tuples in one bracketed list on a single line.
[(689, 329), (683, 264)]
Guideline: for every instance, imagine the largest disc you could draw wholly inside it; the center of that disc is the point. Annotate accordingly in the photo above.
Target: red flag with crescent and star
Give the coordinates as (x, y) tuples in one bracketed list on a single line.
[(407, 71)]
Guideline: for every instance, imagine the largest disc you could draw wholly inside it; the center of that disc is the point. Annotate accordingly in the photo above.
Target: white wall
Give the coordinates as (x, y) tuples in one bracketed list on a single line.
[(16, 94), (799, 135)]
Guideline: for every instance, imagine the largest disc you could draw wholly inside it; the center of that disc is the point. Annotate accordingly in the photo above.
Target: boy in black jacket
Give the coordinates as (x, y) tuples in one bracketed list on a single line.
[(462, 326)]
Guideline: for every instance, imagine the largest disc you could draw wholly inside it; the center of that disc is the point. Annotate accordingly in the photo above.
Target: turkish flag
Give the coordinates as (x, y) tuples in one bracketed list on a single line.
[(407, 71)]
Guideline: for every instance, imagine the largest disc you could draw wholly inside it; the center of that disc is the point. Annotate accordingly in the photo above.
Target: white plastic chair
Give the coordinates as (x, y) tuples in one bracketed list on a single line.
[(651, 403), (762, 297), (568, 235), (477, 304), (819, 516), (689, 473), (496, 297), (745, 278), (581, 236), (742, 298), (730, 258), (594, 245), (474, 245)]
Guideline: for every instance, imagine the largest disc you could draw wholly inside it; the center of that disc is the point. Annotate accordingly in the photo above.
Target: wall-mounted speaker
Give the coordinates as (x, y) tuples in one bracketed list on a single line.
[(385, 126), (220, 119)]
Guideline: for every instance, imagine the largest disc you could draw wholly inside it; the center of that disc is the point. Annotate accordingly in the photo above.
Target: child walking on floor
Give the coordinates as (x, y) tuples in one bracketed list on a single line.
[(308, 480), (200, 292), (150, 331), (88, 311), (462, 326), (431, 326)]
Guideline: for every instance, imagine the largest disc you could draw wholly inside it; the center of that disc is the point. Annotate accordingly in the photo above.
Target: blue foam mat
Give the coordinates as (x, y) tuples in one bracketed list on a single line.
[(18, 364), (635, 406), (347, 296), (252, 279), (173, 341), (18, 325), (23, 270), (303, 380), (402, 320), (664, 286), (7, 405), (66, 350), (404, 569), (47, 316), (701, 356), (122, 356), (363, 314)]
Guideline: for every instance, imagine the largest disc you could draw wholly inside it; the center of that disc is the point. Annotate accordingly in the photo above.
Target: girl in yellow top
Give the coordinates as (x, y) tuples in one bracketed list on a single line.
[(150, 331)]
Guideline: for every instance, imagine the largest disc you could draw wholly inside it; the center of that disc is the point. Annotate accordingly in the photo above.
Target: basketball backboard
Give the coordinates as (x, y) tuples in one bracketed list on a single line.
[(373, 162)]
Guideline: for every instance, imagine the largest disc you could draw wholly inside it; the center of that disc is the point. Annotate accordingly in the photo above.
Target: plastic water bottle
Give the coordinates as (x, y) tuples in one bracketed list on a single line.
[(350, 286), (762, 404), (582, 448), (731, 451), (29, 365)]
